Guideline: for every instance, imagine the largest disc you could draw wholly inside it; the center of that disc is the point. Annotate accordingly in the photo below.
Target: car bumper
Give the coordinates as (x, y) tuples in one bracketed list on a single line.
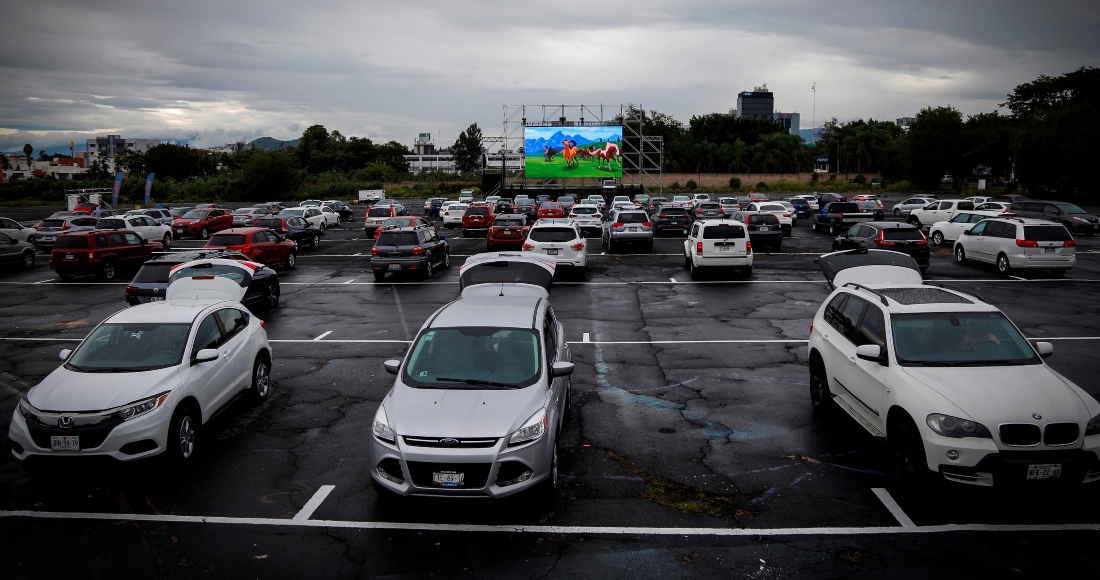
[(399, 264), (671, 228), (1041, 261), (722, 261), (627, 237), (36, 443), (766, 237), (483, 467), (1010, 468)]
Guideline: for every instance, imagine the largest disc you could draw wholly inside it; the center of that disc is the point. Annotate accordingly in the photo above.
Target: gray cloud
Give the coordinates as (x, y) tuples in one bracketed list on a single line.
[(211, 71)]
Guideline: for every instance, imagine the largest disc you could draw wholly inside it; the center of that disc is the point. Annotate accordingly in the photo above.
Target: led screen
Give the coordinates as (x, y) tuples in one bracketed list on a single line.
[(556, 152)]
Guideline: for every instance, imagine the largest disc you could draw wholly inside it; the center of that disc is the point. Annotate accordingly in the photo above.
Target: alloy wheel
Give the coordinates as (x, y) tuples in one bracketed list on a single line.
[(316, 241), (167, 241), (28, 260), (960, 255), (186, 436), (261, 380), (273, 296)]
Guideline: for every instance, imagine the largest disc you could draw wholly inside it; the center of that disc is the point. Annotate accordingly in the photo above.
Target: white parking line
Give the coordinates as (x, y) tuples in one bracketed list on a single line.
[(339, 341), (313, 503), (898, 513), (324, 334), (672, 279), (551, 529), (350, 281), (1016, 277), (584, 337)]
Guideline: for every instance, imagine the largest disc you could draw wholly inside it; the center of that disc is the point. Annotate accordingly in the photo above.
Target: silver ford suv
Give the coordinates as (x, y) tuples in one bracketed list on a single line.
[(481, 396)]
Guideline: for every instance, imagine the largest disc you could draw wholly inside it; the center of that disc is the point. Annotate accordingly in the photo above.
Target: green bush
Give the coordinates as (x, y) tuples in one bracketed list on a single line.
[(735, 183), (762, 185), (860, 179), (814, 177), (675, 185), (691, 185)]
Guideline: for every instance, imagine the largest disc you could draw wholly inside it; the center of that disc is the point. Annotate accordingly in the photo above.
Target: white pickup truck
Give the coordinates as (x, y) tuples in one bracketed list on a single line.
[(938, 211), (371, 196)]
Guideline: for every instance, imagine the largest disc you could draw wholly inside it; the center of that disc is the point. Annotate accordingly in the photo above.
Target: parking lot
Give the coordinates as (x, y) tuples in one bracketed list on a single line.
[(692, 448)]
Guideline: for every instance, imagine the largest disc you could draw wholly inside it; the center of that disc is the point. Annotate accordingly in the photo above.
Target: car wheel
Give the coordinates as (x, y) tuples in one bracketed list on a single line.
[(291, 260), (693, 270), (821, 397), (183, 434), (960, 254), (547, 491), (937, 238), (379, 275), (167, 241), (429, 270), (108, 271), (897, 212), (322, 228), (204, 233), (1058, 273), (687, 262), (65, 277), (907, 451), (835, 247), (315, 241), (915, 221), (1002, 265), (746, 271), (261, 379), (447, 259), (28, 259), (271, 297)]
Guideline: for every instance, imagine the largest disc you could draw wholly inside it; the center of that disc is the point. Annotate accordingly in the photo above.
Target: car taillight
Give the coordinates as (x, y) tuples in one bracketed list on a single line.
[(1069, 244), (65, 226), (91, 255), (418, 251), (698, 247), (883, 242), (578, 246), (374, 251), (748, 247), (786, 215), (617, 225), (1027, 243), (647, 224), (263, 325), (131, 290), (528, 247)]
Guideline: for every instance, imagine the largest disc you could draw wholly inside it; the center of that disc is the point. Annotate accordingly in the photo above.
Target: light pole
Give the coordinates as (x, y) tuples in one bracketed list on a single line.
[(813, 135)]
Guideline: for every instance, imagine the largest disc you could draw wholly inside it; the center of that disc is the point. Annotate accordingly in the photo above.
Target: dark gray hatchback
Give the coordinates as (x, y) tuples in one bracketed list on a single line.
[(418, 250)]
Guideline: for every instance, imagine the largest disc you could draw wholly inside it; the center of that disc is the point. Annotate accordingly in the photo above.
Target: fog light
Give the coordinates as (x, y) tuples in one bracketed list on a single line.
[(952, 455), (522, 478)]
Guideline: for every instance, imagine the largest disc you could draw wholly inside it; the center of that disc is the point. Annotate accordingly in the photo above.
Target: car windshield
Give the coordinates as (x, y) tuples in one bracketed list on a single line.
[(178, 212), (552, 234), (64, 242), (474, 357), (1070, 208), (128, 348), (300, 212), (227, 240), (194, 215), (959, 339)]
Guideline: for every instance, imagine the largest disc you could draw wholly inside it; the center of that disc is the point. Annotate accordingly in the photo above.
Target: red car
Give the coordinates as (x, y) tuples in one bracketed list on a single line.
[(259, 244), (102, 253), (507, 230), (402, 222), (758, 197), (477, 218), (550, 209), (202, 222)]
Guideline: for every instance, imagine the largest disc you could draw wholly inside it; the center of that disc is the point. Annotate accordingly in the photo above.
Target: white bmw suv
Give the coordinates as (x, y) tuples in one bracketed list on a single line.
[(945, 379), (146, 379)]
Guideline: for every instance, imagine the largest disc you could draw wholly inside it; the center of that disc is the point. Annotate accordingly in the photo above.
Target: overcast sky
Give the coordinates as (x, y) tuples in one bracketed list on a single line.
[(212, 72)]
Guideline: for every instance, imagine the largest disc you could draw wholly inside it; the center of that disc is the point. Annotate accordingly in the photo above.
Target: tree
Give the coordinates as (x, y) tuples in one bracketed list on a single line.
[(4, 161), (467, 150), (934, 147), (172, 161), (42, 155), (393, 154), (131, 161), (269, 174), (27, 150)]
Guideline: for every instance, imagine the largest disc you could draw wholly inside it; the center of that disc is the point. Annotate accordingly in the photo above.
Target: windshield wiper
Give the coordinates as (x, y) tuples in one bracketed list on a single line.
[(477, 383), (106, 369)]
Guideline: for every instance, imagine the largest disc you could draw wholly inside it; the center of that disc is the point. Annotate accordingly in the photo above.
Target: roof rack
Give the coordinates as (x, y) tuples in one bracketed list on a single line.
[(880, 295), (967, 292)]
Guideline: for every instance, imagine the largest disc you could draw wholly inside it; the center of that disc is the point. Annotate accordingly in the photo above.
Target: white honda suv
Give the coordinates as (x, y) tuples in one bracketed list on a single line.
[(146, 379), (946, 379)]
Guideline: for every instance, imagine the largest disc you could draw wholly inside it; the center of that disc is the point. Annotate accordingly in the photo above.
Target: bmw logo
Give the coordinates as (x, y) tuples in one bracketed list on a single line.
[(1037, 416)]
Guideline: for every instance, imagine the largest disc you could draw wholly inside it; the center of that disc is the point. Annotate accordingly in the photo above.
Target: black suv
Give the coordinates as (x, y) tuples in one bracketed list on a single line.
[(1074, 218), (899, 237), (292, 227), (419, 250), (151, 281), (671, 219), (764, 229)]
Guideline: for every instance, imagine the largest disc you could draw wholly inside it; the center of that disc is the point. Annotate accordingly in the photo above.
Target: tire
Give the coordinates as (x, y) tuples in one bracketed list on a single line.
[(291, 260), (260, 388), (910, 465), (447, 259), (693, 270), (547, 491), (167, 241), (1059, 272), (271, 297), (379, 275), (204, 233), (687, 262), (1002, 265), (937, 238), (322, 228), (960, 254), (821, 397), (832, 229), (315, 241), (183, 435), (897, 212), (430, 270), (108, 271), (28, 259), (915, 221)]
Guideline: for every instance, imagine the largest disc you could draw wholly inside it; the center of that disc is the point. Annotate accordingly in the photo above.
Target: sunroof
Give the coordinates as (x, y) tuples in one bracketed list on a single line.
[(910, 296)]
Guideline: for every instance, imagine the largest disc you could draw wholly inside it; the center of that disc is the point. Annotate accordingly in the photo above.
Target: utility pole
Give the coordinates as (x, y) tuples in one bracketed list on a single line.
[(813, 135)]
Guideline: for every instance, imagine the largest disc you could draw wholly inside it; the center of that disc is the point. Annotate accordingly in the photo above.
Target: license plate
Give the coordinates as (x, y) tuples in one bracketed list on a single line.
[(507, 232), (725, 248), (449, 478), (1048, 250), (47, 238), (1044, 471), (70, 257), (395, 266), (72, 443), (179, 230), (156, 299), (764, 228), (632, 229), (552, 252)]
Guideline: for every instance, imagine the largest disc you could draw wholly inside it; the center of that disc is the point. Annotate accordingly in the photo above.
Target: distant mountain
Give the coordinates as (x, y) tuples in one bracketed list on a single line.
[(808, 134), (273, 143), (533, 145)]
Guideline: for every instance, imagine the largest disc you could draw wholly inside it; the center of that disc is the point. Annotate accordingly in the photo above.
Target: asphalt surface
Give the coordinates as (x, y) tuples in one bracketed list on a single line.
[(687, 454)]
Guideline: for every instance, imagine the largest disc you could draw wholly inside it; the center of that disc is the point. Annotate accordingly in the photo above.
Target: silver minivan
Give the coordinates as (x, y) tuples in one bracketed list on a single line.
[(481, 396)]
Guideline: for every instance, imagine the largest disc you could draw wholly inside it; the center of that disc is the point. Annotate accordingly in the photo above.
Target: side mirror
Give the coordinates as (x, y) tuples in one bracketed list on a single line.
[(392, 366), (561, 369), (1045, 349), (871, 352), (144, 241), (13, 241), (206, 355), (65, 353), (967, 232)]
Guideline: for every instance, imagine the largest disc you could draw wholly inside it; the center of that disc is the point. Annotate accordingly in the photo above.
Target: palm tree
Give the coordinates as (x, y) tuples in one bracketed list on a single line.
[(27, 150)]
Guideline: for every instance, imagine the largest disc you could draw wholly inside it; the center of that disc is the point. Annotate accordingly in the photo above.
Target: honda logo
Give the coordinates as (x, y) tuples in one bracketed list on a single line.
[(65, 422)]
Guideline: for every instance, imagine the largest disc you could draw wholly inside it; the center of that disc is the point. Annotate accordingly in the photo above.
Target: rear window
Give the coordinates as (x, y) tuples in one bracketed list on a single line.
[(233, 273), (763, 219), (911, 234), (383, 211), (673, 213), (227, 240), (508, 222), (53, 223), (477, 211), (723, 232), (156, 273), (772, 207), (71, 242), (633, 217), (584, 209), (275, 224), (1046, 233), (838, 207), (110, 224), (524, 202), (397, 239), (551, 234), (710, 205)]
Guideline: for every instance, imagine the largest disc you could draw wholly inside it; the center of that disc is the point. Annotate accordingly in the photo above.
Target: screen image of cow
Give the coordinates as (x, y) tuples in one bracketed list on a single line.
[(559, 152)]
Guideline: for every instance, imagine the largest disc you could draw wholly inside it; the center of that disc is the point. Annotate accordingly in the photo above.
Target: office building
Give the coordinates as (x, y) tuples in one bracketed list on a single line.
[(112, 145), (789, 121), (758, 103)]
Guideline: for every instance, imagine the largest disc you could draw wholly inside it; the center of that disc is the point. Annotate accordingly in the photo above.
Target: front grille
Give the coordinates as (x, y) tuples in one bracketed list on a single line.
[(476, 473), (1020, 434), (91, 436), (449, 442), (1060, 433)]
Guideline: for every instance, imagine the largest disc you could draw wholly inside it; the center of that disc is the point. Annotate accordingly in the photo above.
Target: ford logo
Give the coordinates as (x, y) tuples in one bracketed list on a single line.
[(448, 442), (1037, 416)]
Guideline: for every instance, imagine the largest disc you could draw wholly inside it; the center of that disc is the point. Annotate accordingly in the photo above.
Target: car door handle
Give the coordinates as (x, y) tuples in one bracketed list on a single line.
[(227, 353), (852, 359)]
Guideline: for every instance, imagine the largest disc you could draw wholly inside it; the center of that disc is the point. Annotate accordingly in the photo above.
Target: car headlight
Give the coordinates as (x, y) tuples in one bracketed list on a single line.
[(382, 426), (25, 410), (949, 426), (1080, 219), (532, 429), (1093, 426), (135, 410)]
